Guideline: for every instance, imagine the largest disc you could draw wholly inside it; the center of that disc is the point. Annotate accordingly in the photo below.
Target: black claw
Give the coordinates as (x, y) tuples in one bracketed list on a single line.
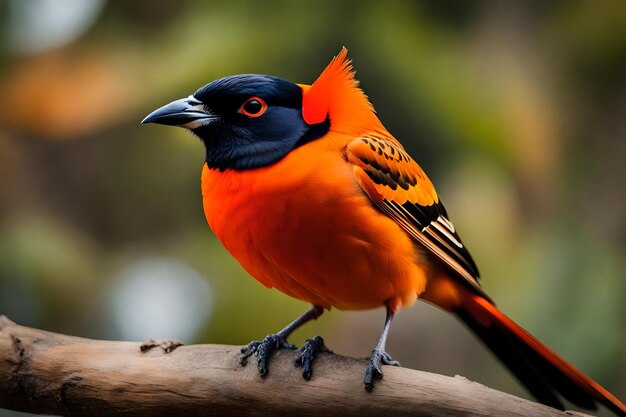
[(307, 353), (374, 370), (247, 351), (263, 349), (386, 359)]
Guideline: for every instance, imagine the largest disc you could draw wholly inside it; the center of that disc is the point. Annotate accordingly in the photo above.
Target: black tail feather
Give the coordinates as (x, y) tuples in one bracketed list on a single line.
[(538, 368)]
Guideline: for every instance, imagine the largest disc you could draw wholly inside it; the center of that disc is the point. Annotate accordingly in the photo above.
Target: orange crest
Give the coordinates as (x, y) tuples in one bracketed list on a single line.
[(336, 95)]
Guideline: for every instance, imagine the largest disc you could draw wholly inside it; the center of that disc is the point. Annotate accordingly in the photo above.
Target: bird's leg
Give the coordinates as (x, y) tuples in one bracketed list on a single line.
[(379, 356), (264, 348), (307, 353)]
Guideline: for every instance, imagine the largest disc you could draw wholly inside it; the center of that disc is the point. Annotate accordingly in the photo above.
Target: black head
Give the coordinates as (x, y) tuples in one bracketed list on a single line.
[(245, 121)]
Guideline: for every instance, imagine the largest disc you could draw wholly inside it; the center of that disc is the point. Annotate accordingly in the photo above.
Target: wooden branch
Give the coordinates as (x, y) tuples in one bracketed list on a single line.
[(44, 372)]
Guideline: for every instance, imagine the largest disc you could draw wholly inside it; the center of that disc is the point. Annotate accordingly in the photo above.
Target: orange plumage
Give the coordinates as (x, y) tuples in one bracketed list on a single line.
[(296, 227), (304, 225), (346, 218)]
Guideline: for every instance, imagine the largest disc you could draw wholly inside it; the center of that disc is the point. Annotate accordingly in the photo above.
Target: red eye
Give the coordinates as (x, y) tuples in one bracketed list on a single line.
[(253, 107)]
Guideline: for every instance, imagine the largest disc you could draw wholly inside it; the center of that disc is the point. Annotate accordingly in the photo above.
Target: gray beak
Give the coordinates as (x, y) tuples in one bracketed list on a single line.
[(186, 112)]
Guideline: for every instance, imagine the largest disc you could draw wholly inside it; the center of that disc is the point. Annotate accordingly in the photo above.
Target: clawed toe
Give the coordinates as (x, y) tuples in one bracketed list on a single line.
[(386, 359), (307, 353), (263, 349), (374, 369)]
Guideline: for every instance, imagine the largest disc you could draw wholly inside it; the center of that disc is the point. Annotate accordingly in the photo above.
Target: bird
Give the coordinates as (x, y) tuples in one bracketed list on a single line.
[(313, 196)]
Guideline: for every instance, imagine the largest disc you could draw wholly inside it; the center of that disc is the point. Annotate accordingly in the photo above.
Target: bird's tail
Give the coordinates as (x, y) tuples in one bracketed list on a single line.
[(540, 369)]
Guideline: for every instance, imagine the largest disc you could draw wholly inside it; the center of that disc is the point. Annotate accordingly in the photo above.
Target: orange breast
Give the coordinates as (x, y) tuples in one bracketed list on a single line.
[(304, 227)]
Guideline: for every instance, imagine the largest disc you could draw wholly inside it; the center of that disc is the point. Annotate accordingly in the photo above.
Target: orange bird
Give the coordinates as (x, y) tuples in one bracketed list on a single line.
[(306, 188)]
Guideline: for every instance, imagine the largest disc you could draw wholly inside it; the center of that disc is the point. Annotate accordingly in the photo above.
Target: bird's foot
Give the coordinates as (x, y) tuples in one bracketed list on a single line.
[(263, 350), (306, 355), (167, 345), (374, 369)]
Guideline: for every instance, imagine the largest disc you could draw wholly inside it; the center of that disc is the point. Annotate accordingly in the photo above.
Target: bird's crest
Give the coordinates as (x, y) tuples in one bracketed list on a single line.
[(336, 95)]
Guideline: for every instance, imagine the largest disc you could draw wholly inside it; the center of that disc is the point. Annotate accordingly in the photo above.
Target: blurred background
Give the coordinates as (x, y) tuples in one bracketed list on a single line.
[(517, 110)]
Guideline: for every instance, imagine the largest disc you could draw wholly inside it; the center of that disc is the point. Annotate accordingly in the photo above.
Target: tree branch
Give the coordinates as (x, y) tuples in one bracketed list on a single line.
[(45, 372)]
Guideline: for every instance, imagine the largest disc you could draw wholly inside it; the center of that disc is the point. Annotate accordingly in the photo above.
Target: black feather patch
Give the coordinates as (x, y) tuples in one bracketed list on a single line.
[(234, 140)]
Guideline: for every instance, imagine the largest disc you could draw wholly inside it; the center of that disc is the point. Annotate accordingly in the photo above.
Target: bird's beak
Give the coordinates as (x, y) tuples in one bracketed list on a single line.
[(186, 112)]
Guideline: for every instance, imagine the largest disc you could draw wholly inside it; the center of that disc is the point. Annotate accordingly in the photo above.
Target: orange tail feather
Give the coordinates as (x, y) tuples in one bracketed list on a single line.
[(538, 367)]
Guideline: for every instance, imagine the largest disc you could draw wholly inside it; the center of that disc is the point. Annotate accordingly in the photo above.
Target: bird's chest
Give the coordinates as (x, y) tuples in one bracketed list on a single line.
[(260, 211), (306, 228), (246, 219)]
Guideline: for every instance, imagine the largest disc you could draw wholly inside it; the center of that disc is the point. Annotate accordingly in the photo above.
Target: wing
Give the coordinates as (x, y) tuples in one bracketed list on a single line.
[(400, 189)]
